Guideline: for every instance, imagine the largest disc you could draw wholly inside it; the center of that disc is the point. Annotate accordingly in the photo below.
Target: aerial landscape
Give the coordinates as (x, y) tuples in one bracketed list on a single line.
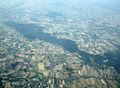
[(59, 43)]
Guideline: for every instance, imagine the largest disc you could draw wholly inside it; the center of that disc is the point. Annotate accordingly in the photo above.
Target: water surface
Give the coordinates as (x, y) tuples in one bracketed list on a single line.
[(31, 31)]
